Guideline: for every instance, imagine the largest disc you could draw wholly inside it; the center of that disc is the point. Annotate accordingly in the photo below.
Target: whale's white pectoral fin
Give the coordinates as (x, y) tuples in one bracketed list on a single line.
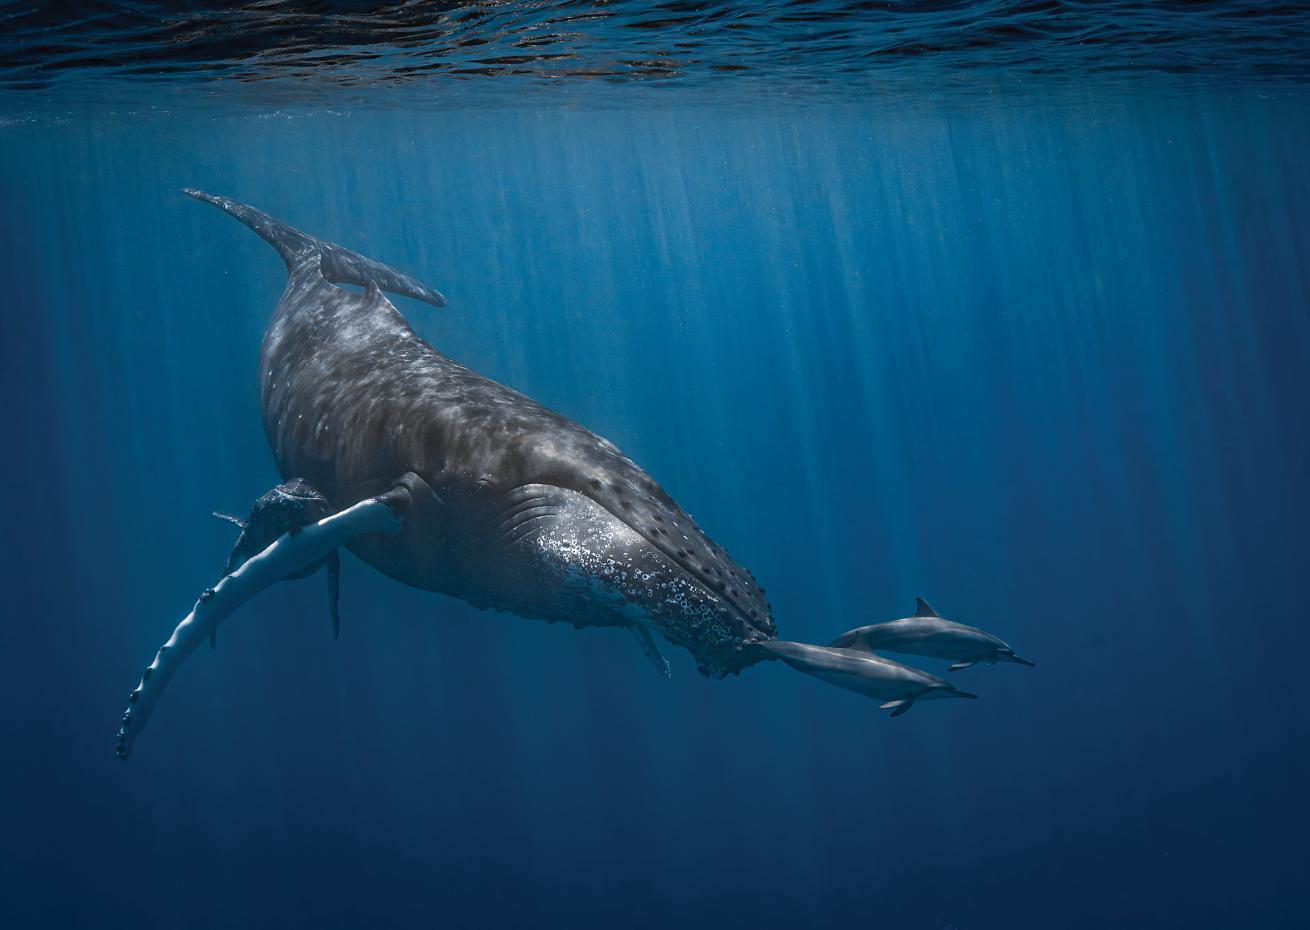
[(923, 609), (283, 557), (651, 650)]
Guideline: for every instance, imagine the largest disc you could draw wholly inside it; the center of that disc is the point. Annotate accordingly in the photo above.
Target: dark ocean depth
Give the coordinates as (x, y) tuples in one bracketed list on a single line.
[(1038, 351)]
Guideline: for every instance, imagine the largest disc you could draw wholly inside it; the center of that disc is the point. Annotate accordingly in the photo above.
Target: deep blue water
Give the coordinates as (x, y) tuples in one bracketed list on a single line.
[(1041, 356)]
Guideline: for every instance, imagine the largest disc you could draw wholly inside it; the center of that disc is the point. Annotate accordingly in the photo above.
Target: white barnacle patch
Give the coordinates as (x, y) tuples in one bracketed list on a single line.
[(611, 574)]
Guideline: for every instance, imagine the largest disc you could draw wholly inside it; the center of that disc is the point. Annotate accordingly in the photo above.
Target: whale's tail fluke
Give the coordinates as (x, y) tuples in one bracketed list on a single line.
[(338, 264)]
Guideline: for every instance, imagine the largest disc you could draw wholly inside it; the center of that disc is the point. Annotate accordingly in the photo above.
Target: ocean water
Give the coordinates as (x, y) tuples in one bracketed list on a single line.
[(1016, 319)]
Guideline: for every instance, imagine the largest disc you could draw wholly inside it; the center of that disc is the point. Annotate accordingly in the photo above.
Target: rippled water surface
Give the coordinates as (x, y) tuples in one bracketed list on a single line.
[(823, 46)]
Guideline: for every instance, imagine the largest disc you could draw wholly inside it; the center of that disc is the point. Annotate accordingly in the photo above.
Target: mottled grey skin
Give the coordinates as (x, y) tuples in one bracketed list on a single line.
[(516, 507), (928, 634)]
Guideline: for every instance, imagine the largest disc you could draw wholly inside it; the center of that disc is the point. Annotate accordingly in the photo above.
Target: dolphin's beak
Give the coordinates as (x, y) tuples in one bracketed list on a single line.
[(963, 694), (1014, 658)]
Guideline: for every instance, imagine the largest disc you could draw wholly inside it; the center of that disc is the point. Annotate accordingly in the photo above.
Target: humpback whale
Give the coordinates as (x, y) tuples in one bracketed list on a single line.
[(448, 481)]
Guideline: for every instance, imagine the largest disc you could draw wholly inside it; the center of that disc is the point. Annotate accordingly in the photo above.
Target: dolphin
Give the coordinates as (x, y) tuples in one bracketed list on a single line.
[(897, 685), (447, 481), (928, 634)]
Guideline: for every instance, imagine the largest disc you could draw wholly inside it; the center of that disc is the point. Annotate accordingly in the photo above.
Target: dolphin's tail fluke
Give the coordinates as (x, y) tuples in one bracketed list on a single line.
[(338, 264)]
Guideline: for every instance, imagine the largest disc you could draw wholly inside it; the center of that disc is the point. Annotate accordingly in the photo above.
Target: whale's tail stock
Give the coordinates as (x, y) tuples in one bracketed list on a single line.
[(338, 264)]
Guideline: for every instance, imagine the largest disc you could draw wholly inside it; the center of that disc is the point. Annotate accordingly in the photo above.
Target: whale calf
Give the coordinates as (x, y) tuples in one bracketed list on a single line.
[(448, 481), (929, 634)]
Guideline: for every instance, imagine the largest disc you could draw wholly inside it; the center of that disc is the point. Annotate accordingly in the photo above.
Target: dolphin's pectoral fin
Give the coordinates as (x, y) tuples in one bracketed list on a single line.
[(956, 666), (900, 707), (651, 650), (334, 592), (285, 556)]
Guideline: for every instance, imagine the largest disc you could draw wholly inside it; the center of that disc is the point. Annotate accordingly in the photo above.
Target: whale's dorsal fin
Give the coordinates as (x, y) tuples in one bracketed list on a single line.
[(923, 609)]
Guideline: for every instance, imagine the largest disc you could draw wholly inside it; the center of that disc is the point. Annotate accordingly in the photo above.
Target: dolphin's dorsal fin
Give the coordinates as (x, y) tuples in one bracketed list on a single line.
[(923, 609), (860, 644), (855, 640)]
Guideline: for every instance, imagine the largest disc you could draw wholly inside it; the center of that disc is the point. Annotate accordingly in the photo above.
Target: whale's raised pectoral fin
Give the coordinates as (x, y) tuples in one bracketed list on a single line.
[(284, 557), (651, 650)]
